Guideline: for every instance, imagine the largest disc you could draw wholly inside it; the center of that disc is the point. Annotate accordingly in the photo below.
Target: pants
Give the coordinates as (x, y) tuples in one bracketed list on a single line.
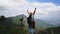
[(31, 30)]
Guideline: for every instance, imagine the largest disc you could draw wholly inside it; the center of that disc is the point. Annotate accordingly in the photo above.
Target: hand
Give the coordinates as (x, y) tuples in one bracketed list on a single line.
[(34, 11)]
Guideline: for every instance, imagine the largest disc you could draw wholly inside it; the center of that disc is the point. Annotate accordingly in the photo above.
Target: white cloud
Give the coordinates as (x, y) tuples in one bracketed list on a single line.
[(46, 8), (16, 7)]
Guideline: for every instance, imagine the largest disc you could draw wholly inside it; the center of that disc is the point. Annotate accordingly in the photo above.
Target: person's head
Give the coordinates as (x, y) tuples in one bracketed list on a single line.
[(30, 13)]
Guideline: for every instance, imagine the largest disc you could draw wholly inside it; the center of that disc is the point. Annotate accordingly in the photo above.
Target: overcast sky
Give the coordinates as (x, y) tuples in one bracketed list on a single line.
[(46, 9)]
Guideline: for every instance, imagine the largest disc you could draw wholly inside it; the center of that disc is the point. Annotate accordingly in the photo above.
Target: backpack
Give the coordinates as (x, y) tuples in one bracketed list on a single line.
[(29, 20), (32, 24)]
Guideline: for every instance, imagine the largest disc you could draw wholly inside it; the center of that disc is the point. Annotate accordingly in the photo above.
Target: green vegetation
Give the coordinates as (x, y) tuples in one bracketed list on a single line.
[(53, 30), (12, 25), (8, 27)]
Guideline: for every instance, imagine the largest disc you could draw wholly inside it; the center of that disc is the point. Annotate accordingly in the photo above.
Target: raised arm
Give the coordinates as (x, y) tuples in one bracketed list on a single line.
[(34, 11)]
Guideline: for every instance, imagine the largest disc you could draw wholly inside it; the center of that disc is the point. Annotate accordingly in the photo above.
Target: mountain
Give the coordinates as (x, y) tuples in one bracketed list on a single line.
[(16, 19), (40, 24), (12, 25), (55, 21), (7, 26)]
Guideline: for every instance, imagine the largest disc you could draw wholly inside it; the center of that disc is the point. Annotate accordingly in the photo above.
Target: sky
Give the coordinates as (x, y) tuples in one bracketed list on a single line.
[(44, 1), (46, 9)]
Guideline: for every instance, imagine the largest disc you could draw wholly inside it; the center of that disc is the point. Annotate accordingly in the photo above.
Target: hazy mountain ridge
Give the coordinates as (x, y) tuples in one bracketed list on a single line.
[(39, 23)]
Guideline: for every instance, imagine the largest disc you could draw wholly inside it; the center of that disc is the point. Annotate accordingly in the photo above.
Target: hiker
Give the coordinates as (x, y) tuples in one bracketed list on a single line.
[(31, 22)]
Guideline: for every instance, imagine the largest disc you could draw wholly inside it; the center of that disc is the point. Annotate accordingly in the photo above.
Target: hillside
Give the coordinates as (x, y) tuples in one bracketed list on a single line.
[(12, 25), (40, 24), (8, 27)]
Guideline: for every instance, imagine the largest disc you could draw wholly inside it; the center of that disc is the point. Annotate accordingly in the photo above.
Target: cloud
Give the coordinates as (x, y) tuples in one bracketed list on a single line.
[(16, 7)]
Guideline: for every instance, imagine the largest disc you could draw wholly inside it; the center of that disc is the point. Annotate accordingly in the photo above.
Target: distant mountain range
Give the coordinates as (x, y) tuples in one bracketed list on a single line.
[(40, 24)]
